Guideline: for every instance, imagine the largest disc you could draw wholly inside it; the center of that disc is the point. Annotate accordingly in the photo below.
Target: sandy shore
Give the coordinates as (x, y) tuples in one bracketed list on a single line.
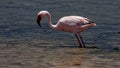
[(17, 54)]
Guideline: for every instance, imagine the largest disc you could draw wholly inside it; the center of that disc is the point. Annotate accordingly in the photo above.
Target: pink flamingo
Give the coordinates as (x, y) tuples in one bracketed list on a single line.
[(73, 24)]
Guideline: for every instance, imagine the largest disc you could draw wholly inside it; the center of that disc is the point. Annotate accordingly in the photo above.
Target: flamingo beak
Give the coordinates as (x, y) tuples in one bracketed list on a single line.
[(38, 20)]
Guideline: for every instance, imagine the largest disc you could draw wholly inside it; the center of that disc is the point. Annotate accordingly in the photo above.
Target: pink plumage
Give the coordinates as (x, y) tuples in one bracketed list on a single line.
[(74, 24)]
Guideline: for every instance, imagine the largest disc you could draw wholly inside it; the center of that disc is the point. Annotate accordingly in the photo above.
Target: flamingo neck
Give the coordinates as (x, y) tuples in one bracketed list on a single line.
[(50, 22)]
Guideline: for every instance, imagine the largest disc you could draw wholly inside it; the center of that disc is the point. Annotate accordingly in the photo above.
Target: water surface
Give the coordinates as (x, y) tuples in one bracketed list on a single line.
[(24, 45)]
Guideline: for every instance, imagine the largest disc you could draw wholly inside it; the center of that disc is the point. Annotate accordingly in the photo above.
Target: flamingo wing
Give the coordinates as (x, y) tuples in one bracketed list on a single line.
[(73, 20)]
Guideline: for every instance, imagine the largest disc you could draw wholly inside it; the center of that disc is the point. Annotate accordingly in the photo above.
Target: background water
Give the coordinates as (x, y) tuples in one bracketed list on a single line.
[(24, 44)]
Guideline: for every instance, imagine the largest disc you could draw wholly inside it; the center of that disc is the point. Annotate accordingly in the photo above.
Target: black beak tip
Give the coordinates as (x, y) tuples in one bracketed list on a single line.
[(39, 24), (38, 20)]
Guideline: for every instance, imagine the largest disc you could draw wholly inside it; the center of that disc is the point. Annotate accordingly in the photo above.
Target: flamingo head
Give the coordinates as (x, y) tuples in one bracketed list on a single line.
[(40, 15)]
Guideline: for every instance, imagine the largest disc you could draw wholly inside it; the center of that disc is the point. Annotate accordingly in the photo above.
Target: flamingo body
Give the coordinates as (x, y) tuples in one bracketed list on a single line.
[(73, 24)]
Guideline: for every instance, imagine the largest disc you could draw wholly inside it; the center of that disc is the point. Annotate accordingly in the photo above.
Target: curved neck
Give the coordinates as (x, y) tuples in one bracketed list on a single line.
[(50, 22)]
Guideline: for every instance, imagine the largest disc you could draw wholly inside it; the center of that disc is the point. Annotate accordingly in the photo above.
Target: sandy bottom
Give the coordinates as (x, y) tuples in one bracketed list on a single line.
[(34, 54)]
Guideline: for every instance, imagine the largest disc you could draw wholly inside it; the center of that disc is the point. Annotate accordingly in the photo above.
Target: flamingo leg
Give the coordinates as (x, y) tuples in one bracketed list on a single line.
[(78, 39), (83, 44)]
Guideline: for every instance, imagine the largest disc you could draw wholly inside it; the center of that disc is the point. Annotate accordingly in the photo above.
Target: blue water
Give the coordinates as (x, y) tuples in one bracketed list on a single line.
[(18, 22), (18, 19)]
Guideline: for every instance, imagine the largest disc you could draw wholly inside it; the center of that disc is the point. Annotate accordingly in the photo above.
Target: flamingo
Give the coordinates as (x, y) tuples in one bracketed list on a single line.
[(72, 24)]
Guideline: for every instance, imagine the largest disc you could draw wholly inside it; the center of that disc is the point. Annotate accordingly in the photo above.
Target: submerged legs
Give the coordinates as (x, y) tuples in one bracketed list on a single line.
[(80, 40)]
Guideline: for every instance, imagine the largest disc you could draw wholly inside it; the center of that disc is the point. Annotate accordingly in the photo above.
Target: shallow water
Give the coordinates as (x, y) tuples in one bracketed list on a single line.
[(24, 45)]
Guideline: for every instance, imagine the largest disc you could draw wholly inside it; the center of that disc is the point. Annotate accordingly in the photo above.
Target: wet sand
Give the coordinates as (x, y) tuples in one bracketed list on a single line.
[(35, 54)]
